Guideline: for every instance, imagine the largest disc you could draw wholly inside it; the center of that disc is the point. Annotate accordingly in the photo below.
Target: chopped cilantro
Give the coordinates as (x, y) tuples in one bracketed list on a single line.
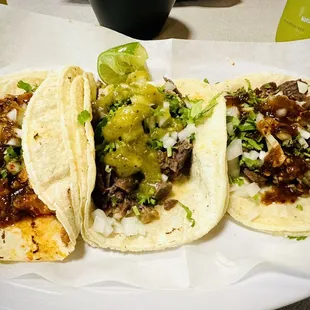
[(300, 207), (256, 198), (189, 214), (10, 154), (239, 181), (135, 210), (206, 80), (249, 124), (249, 84), (113, 200), (298, 238), (147, 200), (83, 117), (156, 144), (251, 144), (192, 137), (250, 163), (3, 173), (26, 87)]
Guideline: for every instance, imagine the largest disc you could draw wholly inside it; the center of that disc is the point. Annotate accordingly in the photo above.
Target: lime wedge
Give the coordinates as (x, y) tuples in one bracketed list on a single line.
[(115, 64)]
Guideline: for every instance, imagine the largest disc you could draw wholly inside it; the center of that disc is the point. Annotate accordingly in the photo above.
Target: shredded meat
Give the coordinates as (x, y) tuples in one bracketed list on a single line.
[(267, 89), (173, 165), (255, 177), (162, 190), (127, 184), (170, 203), (290, 89)]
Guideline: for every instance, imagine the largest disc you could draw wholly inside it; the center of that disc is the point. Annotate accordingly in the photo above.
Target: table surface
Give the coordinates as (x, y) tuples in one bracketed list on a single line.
[(221, 20)]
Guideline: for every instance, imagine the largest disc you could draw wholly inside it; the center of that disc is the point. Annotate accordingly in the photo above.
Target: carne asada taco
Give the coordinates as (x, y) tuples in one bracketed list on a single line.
[(161, 177), (39, 219), (268, 153)]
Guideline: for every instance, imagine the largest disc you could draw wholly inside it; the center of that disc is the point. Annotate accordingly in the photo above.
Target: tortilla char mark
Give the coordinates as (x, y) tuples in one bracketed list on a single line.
[(17, 198), (275, 119)]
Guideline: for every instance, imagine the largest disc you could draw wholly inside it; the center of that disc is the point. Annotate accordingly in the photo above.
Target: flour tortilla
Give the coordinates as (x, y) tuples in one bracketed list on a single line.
[(205, 192), (278, 219)]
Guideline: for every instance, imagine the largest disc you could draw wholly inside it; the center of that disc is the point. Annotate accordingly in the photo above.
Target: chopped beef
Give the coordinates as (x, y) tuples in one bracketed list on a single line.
[(173, 165), (255, 177), (148, 215), (266, 90), (306, 105), (127, 184), (170, 203), (121, 209), (175, 88), (162, 190), (290, 89)]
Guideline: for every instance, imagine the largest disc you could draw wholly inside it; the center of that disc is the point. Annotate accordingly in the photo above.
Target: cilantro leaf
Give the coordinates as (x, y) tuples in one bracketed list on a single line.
[(83, 117), (189, 214), (10, 154), (3, 173), (156, 144), (298, 238), (146, 200), (250, 163), (25, 86), (206, 80), (300, 207), (251, 144), (239, 181)]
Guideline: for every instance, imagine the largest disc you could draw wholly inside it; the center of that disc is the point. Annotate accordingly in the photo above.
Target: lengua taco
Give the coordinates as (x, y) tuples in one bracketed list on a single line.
[(39, 216), (161, 177), (268, 153)]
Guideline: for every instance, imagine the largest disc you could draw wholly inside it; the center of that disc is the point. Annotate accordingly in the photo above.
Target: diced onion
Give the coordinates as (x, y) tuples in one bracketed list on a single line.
[(259, 117), (234, 149), (248, 190), (19, 132), (14, 142), (302, 87), (168, 141), (132, 226), (164, 178), (169, 86), (232, 111), (281, 112), (303, 142), (187, 131), (230, 128), (12, 115), (304, 133), (166, 105), (163, 119), (262, 155), (271, 141), (102, 223), (233, 167), (251, 155), (174, 135)]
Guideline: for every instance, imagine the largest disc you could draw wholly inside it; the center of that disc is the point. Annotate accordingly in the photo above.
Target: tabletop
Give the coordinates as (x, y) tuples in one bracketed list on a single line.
[(222, 20)]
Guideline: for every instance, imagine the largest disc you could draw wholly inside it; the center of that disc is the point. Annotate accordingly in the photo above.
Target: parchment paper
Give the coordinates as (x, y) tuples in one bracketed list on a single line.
[(230, 252)]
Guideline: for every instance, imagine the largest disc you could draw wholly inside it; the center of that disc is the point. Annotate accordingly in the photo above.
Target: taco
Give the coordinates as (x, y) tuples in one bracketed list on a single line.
[(159, 173), (39, 215), (268, 153)]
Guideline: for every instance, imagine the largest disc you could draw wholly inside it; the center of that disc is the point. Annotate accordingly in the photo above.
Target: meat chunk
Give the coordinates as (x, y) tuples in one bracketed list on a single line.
[(148, 215), (173, 165), (290, 89), (255, 177), (162, 190), (169, 204), (126, 184), (267, 89), (121, 209)]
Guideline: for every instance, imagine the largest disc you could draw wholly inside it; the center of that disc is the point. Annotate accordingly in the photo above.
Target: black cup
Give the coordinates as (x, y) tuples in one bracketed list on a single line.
[(140, 19)]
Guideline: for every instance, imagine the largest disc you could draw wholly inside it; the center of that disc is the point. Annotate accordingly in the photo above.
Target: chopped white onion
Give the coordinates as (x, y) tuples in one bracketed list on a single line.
[(302, 87), (169, 86), (187, 131), (259, 117), (232, 111), (280, 93), (262, 155), (163, 119), (174, 135), (251, 155), (102, 223), (233, 167), (164, 178), (271, 141), (19, 132), (230, 128), (132, 226), (12, 115), (166, 105), (234, 149), (303, 142), (304, 133), (248, 190), (14, 142), (281, 112), (168, 141)]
